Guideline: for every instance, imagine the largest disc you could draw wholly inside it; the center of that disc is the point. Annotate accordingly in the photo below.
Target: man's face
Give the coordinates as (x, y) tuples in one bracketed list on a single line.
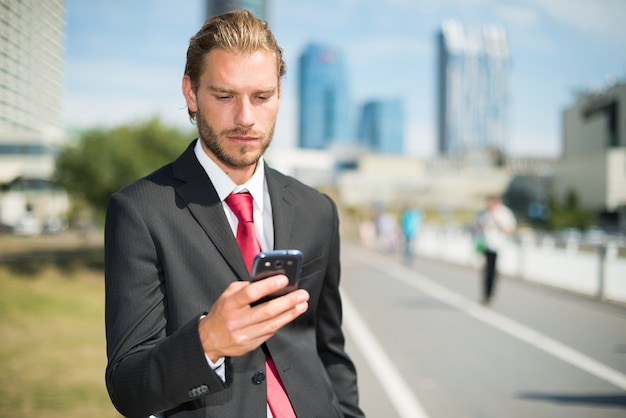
[(493, 202), (237, 103)]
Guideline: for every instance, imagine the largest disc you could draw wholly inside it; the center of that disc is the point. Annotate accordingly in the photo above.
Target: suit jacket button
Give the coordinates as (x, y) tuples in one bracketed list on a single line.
[(198, 391), (258, 378)]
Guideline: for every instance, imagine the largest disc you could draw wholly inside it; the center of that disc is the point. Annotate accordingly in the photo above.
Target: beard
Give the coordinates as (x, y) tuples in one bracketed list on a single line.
[(245, 156)]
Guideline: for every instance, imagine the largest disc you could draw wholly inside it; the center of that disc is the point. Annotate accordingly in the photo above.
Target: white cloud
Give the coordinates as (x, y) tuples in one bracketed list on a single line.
[(601, 18)]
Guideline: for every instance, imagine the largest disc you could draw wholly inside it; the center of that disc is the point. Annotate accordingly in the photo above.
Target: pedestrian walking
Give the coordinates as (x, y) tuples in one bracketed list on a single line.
[(411, 224), (492, 228)]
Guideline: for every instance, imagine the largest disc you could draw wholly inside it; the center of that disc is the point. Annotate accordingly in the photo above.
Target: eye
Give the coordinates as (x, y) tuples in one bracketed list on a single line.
[(265, 96)]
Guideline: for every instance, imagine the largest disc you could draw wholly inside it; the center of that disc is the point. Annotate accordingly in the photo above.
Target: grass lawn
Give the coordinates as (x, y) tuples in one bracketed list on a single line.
[(52, 345)]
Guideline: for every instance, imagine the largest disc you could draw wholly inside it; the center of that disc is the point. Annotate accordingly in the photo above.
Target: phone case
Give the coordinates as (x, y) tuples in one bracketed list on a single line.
[(271, 263)]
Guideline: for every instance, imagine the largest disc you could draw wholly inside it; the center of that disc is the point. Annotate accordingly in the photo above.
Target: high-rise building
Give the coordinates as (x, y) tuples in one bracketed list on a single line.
[(473, 91), (258, 7), (324, 113), (31, 75), (381, 128)]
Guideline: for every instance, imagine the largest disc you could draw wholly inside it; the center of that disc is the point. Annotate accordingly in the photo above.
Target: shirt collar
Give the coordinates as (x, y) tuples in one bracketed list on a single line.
[(224, 185)]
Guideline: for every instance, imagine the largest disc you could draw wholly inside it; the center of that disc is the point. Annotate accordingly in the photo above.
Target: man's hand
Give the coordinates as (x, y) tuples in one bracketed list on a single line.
[(233, 327)]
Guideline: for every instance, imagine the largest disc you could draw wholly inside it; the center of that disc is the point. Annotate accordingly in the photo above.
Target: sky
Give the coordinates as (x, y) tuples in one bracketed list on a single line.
[(125, 59)]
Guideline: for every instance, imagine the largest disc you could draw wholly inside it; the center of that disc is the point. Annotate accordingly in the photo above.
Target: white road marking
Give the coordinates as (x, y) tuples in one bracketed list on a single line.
[(496, 320), (398, 391)]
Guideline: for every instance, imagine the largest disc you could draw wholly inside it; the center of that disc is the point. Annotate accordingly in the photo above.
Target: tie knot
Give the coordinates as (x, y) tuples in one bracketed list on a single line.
[(241, 205)]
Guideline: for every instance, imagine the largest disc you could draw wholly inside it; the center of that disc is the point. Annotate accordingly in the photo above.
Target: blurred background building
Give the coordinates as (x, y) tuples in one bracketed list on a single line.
[(324, 100), (381, 128), (32, 46), (593, 164), (473, 88), (31, 86)]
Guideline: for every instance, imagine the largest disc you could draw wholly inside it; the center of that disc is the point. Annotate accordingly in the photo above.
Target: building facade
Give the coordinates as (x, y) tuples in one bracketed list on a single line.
[(381, 128), (593, 164), (32, 38), (324, 111), (473, 91), (31, 86), (258, 7)]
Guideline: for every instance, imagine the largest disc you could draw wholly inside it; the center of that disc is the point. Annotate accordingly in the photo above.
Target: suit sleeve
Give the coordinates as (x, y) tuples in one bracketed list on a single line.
[(330, 338), (148, 371)]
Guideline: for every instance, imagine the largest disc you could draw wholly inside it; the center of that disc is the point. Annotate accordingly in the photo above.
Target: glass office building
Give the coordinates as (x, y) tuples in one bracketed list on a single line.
[(324, 113), (381, 128), (258, 7), (31, 86), (473, 90)]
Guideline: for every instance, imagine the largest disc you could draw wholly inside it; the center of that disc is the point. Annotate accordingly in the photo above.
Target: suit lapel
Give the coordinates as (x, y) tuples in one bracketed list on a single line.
[(198, 193), (282, 208)]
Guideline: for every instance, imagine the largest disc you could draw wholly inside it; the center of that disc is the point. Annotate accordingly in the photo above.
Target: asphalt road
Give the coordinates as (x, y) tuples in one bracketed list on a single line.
[(424, 347)]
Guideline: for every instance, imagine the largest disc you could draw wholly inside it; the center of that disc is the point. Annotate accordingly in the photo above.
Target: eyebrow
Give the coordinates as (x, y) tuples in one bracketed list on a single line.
[(224, 90)]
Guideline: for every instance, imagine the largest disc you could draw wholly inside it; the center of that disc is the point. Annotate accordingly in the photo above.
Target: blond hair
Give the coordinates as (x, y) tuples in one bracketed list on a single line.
[(239, 32)]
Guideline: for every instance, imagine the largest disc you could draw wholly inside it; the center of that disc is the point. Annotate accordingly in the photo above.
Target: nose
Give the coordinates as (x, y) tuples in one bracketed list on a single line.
[(243, 115)]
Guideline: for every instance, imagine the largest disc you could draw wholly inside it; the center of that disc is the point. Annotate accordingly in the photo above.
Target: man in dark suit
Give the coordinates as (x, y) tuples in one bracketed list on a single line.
[(184, 337)]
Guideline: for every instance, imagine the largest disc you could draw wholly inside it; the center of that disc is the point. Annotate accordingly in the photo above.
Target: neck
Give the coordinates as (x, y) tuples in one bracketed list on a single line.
[(239, 175)]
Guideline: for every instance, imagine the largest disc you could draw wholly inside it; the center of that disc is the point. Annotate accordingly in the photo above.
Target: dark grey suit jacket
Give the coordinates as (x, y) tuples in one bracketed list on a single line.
[(169, 254)]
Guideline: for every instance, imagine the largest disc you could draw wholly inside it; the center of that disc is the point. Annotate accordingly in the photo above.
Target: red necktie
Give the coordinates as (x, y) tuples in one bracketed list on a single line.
[(241, 204)]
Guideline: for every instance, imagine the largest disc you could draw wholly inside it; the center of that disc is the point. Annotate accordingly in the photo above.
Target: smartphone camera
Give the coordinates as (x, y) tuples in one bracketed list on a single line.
[(277, 263)]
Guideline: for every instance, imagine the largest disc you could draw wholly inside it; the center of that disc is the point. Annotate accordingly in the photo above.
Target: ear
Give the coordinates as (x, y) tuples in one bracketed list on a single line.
[(190, 94)]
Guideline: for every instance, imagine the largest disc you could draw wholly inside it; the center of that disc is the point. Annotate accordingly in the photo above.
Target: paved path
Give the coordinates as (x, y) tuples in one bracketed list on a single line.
[(425, 348)]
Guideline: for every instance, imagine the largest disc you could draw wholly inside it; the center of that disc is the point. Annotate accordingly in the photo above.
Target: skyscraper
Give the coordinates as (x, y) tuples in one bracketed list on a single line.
[(324, 114), (31, 63), (381, 128), (473, 90), (258, 7)]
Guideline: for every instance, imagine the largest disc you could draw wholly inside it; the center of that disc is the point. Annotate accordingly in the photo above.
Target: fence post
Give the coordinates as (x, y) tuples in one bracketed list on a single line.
[(601, 263)]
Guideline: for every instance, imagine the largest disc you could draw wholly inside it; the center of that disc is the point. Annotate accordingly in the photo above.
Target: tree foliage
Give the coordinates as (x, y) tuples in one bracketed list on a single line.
[(568, 214), (104, 160)]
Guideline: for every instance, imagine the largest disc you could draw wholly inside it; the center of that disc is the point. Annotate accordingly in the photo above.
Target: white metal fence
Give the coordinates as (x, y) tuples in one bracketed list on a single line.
[(600, 272)]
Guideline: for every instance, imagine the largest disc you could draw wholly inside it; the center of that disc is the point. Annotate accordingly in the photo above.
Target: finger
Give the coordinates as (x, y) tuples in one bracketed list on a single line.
[(250, 327), (265, 330), (234, 287), (293, 304), (261, 288), (258, 324), (279, 317)]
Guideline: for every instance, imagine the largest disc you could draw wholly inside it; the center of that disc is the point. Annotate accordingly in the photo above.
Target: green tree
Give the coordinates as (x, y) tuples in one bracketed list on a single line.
[(104, 160), (568, 214)]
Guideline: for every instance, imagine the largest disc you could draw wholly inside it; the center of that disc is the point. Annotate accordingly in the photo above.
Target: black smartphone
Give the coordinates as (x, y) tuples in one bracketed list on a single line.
[(271, 263)]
